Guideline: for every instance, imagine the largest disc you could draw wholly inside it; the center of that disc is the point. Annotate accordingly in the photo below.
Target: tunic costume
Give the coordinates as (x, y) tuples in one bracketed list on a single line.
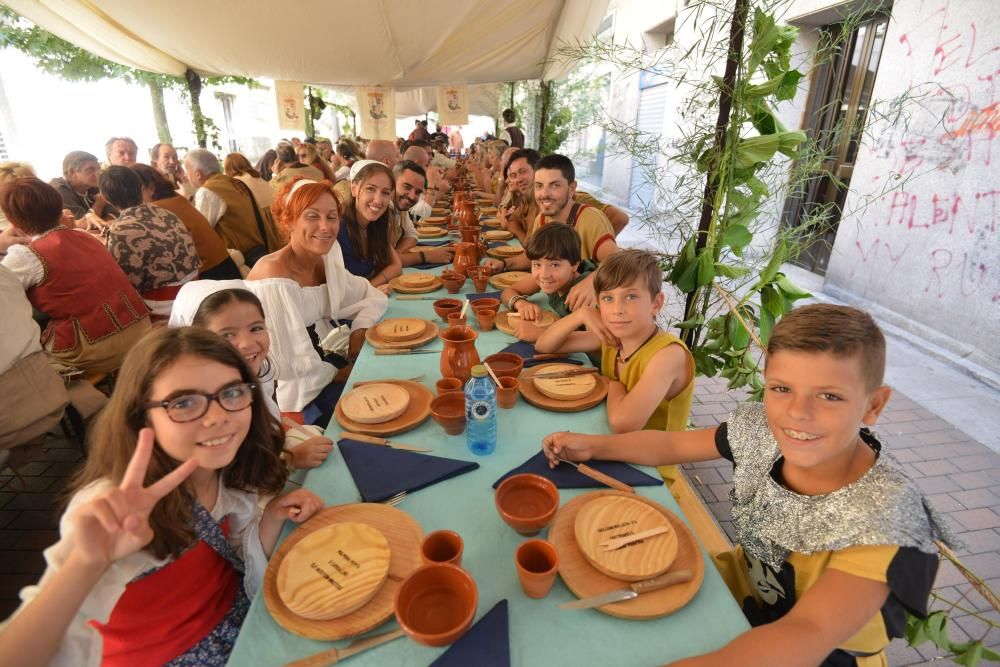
[(880, 527), (176, 611), (593, 227)]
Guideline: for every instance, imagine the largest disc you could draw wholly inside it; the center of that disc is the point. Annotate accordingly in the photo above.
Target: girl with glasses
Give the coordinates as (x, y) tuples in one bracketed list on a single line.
[(163, 542)]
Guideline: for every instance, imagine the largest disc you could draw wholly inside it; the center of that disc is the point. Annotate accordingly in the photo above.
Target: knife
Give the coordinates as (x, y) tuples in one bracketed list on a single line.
[(373, 440), (416, 297), (335, 655), (384, 351), (599, 476), (569, 372), (632, 591)]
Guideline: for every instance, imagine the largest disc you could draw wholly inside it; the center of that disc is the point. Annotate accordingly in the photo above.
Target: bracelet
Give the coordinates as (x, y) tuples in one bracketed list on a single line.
[(504, 263), (423, 258), (514, 299)]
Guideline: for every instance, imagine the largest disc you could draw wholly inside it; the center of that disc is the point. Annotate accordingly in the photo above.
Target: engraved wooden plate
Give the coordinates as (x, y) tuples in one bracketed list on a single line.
[(498, 235), (416, 414), (426, 232), (566, 389), (375, 338), (404, 536), (506, 323), (435, 220), (504, 280), (401, 328), (504, 251), (540, 400), (412, 280), (605, 518), (375, 403), (583, 580), (397, 286), (334, 571)]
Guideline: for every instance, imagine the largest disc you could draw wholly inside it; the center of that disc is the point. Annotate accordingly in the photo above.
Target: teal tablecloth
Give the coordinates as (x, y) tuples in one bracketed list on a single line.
[(540, 633)]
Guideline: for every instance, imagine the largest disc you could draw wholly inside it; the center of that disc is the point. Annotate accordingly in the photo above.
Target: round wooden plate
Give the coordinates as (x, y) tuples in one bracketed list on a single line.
[(498, 235), (527, 388), (374, 403), (404, 535), (375, 339), (584, 581), (504, 251), (568, 388), (504, 280), (435, 220), (416, 280), (491, 222), (334, 571), (396, 329), (488, 210), (416, 413), (605, 518), (397, 286), (506, 323), (440, 210), (426, 232)]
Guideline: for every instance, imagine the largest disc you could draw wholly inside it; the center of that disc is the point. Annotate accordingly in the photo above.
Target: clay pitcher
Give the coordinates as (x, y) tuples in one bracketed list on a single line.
[(469, 234), (465, 256), (467, 215), (459, 354)]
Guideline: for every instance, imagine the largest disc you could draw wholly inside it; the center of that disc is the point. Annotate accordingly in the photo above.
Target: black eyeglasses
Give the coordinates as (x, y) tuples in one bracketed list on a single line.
[(188, 407)]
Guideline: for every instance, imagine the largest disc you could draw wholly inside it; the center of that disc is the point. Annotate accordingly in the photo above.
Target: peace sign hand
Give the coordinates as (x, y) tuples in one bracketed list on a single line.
[(115, 523)]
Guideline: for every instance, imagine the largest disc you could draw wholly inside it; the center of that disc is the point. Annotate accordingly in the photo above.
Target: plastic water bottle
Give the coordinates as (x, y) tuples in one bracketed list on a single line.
[(481, 412)]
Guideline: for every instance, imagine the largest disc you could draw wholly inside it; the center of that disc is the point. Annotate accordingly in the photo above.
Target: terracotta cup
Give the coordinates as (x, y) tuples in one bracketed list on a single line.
[(444, 385), (507, 392), (443, 546), (457, 319), (486, 318), (436, 604), (537, 563), (448, 410), (481, 281), (526, 502)]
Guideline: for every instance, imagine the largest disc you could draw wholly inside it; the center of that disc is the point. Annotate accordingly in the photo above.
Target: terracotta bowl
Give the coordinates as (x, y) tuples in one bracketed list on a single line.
[(436, 604), (448, 410), (507, 391), (527, 502), (454, 285), (444, 385), (444, 307), (506, 364), (485, 304)]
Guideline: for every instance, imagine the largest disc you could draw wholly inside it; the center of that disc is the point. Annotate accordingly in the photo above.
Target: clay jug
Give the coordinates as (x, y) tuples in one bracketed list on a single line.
[(469, 234), (465, 256), (467, 215), (459, 354)]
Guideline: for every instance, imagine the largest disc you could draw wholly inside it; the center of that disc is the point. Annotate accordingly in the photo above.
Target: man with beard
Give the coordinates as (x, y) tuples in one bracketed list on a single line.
[(411, 180), (519, 174), (163, 158)]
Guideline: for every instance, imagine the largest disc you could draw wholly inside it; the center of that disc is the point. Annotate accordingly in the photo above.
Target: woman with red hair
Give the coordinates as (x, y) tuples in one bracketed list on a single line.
[(306, 291)]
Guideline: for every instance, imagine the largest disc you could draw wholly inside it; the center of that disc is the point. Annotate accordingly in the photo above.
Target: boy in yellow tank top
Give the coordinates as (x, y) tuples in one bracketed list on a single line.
[(651, 372)]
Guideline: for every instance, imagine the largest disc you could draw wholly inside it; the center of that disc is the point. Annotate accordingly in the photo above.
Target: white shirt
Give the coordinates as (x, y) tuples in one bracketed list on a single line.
[(210, 204), (20, 332), (81, 645), (505, 135), (421, 209), (442, 161), (25, 264)]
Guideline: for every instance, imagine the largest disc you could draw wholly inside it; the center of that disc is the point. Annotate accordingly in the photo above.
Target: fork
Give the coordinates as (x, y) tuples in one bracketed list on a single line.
[(395, 500)]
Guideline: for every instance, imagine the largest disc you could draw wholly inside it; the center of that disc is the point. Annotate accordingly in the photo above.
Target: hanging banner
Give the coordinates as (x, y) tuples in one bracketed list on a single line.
[(377, 112), (291, 110), (452, 105)]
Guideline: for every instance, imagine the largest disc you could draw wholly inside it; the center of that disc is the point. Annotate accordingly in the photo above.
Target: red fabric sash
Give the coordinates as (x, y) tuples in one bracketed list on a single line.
[(165, 613)]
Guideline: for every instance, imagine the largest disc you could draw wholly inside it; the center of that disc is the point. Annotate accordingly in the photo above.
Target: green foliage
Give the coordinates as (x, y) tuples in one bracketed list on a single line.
[(934, 629)]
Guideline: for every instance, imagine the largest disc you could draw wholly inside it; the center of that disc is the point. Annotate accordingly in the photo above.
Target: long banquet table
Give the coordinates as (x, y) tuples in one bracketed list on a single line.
[(540, 633)]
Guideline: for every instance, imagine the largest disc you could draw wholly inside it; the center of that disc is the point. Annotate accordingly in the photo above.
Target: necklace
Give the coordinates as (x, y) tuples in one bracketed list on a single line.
[(624, 360)]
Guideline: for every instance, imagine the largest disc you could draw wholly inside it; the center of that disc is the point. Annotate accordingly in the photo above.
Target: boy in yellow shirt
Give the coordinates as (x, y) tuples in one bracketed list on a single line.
[(835, 540)]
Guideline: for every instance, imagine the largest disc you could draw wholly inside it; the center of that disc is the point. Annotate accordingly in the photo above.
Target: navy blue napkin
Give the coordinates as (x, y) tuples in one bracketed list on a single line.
[(382, 472), (495, 244), (486, 644), (527, 350), (566, 476), (482, 295), (437, 243)]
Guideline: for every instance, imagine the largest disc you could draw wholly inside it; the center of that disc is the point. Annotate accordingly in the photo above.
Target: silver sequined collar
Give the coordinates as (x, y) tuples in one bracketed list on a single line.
[(884, 506)]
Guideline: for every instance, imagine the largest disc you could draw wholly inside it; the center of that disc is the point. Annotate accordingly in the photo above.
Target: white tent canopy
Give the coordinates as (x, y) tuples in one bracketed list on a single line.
[(396, 43)]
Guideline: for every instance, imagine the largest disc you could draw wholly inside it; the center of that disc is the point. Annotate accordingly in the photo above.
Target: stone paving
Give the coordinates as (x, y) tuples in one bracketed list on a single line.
[(958, 473)]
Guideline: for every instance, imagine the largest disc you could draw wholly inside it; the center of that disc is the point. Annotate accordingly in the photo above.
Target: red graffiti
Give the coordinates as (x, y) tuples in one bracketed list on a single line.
[(915, 212)]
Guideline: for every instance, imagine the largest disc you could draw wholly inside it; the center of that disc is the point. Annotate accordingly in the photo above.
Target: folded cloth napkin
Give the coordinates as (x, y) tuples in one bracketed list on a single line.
[(495, 244), (482, 295), (438, 243), (382, 472), (566, 476), (485, 644), (527, 350)]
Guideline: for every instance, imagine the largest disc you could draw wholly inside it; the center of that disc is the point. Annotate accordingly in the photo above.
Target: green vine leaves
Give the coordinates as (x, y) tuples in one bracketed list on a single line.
[(934, 629)]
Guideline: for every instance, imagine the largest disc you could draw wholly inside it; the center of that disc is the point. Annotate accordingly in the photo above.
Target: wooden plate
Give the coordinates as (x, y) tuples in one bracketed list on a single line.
[(374, 403), (416, 413), (396, 285), (398, 329), (429, 232), (334, 571), (404, 535), (435, 220), (505, 322), (498, 235), (375, 339), (488, 210), (540, 400), (568, 388), (584, 581), (416, 280), (504, 280), (504, 251), (440, 210), (605, 518), (491, 222)]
